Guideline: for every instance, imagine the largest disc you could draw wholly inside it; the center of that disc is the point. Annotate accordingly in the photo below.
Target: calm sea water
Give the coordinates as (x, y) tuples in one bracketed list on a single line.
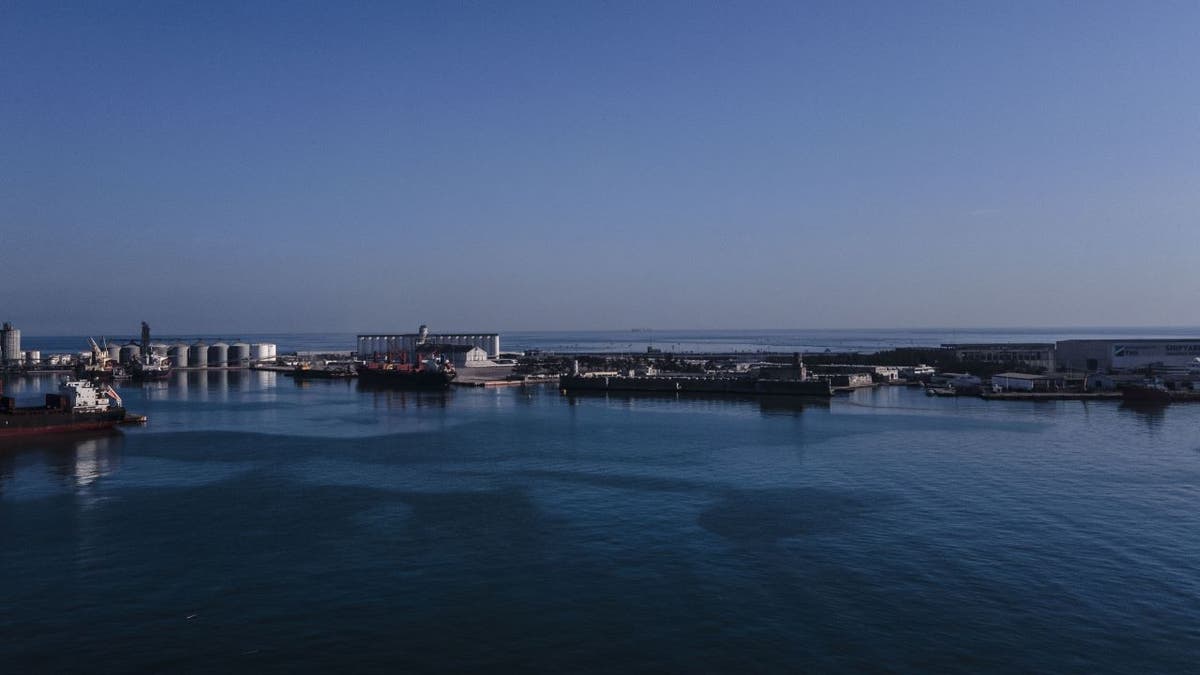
[(257, 525), (683, 341)]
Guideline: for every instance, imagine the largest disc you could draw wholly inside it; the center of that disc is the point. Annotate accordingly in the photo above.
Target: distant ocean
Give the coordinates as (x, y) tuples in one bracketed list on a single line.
[(839, 340)]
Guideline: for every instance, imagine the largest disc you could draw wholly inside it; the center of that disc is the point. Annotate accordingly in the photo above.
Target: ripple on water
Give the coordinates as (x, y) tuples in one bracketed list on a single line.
[(765, 516)]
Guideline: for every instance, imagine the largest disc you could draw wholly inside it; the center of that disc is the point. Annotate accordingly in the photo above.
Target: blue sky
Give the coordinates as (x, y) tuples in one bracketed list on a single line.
[(301, 166)]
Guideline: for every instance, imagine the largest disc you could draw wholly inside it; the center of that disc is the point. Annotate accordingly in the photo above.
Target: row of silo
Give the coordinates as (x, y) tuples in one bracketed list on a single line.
[(219, 354)]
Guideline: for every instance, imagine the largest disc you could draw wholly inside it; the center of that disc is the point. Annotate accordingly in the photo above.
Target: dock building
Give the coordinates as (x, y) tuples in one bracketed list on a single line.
[(1111, 355), (1036, 356), (370, 344)]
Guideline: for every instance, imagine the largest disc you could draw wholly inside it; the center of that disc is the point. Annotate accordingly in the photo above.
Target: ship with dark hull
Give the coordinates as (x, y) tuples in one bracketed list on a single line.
[(785, 381), (79, 405), (425, 367), (690, 384), (401, 378)]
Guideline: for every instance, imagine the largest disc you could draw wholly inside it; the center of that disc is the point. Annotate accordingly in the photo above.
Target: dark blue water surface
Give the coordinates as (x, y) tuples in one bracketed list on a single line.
[(257, 525)]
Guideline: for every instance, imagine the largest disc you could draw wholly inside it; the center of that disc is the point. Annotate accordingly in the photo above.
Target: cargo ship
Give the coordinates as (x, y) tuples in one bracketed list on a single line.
[(426, 369), (79, 405)]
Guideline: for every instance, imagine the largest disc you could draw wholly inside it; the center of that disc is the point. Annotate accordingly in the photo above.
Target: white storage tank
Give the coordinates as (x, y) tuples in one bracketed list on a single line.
[(218, 355), (198, 354), (272, 350), (178, 355), (259, 352), (129, 352), (239, 354), (113, 351), (33, 357)]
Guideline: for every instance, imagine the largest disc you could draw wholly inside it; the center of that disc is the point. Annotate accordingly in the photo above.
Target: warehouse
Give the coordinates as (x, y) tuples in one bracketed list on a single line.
[(1020, 382), (1165, 356), (378, 345), (1035, 356)]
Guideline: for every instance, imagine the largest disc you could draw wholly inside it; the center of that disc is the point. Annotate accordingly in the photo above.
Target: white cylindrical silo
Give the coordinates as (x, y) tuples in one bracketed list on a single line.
[(272, 350), (495, 348), (258, 352), (218, 355), (33, 357), (113, 351), (198, 354), (178, 355)]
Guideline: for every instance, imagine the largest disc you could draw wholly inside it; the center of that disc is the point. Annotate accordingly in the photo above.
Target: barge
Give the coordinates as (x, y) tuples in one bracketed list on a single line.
[(683, 384)]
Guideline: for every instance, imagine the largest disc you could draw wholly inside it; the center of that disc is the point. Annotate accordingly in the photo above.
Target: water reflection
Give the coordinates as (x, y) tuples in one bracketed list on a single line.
[(74, 460), (391, 398), (1149, 413), (767, 405)]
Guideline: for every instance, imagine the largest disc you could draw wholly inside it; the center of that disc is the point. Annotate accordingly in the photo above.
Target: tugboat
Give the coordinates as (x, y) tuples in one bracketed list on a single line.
[(79, 405)]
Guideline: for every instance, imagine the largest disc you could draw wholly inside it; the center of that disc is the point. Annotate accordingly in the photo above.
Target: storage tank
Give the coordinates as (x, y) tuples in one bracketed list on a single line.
[(239, 354), (198, 354), (33, 357), (272, 350), (158, 348), (178, 355), (218, 355), (10, 343), (113, 351), (129, 352), (259, 352), (495, 347)]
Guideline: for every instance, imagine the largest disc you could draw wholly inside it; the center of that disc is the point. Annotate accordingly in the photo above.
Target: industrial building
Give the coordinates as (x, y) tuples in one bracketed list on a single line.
[(462, 356), (384, 344), (10, 345), (1021, 382), (1036, 356), (1164, 356)]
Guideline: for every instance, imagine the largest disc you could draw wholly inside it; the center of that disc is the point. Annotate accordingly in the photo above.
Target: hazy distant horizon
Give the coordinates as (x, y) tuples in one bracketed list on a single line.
[(295, 167), (632, 330)]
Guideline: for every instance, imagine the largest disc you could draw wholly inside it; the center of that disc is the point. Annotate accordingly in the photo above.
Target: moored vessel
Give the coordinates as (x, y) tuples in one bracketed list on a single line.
[(426, 369), (79, 405)]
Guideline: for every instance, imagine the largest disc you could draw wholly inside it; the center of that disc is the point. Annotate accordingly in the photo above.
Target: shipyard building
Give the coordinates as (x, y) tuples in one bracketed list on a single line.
[(1127, 355), (384, 344)]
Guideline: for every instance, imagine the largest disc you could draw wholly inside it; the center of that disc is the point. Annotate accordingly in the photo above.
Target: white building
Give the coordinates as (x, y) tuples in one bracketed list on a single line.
[(1020, 382)]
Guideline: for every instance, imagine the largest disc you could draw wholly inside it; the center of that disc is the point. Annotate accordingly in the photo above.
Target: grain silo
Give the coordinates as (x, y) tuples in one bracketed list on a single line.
[(128, 353), (178, 354), (239, 354), (218, 355), (113, 351), (259, 352), (198, 354)]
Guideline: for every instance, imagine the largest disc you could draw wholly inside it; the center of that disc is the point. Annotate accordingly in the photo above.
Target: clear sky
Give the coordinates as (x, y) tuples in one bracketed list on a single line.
[(346, 166)]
